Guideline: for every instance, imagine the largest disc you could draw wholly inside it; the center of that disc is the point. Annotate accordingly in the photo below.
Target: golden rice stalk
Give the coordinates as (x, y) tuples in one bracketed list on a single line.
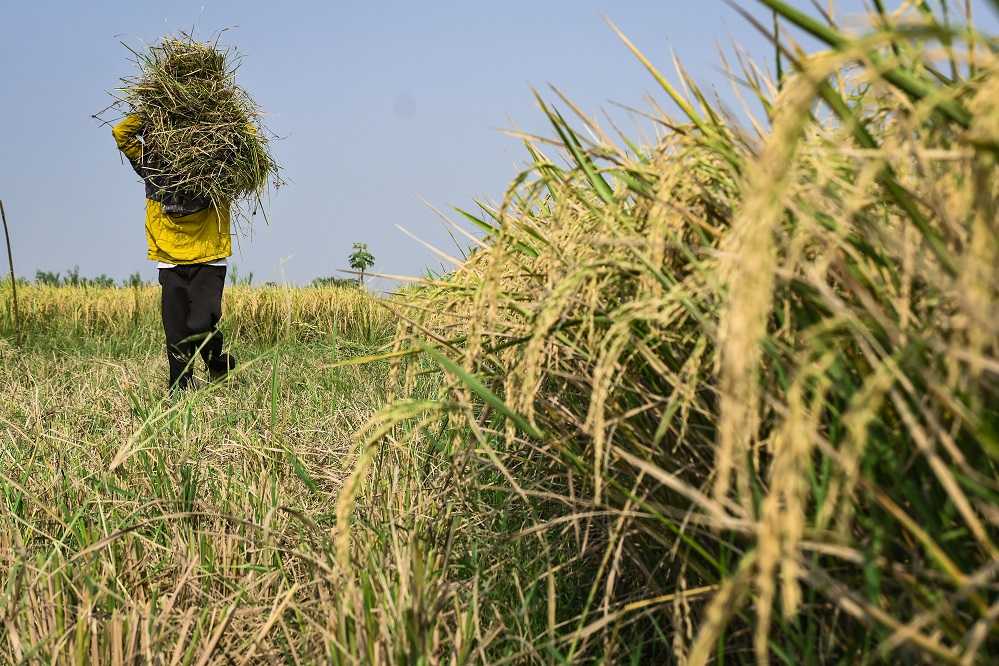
[(748, 265)]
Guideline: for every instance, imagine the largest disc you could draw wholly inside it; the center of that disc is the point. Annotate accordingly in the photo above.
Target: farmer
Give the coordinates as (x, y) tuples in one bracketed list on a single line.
[(189, 239)]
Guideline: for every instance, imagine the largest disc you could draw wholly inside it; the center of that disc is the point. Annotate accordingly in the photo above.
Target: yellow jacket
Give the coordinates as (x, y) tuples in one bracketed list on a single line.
[(185, 238)]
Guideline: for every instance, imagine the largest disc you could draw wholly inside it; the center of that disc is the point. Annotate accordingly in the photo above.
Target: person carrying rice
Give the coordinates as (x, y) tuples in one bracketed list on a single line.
[(189, 134)]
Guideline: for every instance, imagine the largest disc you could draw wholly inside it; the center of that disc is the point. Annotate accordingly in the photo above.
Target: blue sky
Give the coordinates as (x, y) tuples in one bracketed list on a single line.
[(381, 105)]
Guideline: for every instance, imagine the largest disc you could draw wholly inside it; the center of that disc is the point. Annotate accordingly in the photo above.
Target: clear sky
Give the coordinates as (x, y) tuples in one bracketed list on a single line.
[(382, 104)]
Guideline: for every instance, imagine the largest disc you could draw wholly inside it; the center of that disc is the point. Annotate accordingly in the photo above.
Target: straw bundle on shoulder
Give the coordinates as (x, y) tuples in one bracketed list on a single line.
[(202, 134)]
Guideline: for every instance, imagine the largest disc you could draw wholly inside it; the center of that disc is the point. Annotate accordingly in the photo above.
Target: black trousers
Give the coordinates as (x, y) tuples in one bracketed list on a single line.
[(192, 307)]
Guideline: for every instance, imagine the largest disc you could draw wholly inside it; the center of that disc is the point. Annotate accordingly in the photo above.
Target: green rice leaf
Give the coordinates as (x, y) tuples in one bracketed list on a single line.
[(477, 387)]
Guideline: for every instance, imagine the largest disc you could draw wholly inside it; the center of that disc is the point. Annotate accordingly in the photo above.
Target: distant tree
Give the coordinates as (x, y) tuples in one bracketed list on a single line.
[(361, 260), (234, 277), (134, 280), (48, 279), (72, 278), (330, 281)]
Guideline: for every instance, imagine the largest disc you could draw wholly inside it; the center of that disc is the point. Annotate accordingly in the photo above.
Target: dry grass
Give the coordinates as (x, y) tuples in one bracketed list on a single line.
[(135, 529), (138, 531)]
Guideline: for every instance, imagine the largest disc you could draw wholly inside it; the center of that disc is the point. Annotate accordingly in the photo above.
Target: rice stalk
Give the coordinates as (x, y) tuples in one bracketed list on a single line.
[(790, 312)]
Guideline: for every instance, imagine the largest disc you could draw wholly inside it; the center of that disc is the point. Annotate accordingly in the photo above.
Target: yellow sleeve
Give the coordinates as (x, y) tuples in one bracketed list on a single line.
[(126, 136)]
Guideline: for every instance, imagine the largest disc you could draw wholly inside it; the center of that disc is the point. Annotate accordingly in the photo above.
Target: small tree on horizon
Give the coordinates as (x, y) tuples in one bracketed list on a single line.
[(361, 260)]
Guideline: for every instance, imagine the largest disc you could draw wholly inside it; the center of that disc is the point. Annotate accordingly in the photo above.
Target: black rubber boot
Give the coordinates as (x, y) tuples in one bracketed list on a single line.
[(220, 366)]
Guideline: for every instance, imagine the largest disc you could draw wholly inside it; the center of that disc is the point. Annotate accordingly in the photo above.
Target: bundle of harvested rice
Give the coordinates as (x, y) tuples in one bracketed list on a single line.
[(202, 134)]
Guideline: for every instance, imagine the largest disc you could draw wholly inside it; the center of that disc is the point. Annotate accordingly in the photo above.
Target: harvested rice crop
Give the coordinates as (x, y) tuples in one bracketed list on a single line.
[(202, 135)]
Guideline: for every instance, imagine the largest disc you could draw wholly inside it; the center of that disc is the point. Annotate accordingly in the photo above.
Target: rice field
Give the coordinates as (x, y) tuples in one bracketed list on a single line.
[(727, 398), (135, 529), (253, 315)]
